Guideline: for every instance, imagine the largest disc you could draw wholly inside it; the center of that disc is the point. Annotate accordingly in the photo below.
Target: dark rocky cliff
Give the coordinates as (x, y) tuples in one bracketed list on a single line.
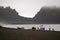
[(11, 16), (48, 15)]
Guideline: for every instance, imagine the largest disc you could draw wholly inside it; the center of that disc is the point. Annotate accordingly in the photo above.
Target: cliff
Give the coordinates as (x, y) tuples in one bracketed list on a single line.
[(48, 15), (11, 16)]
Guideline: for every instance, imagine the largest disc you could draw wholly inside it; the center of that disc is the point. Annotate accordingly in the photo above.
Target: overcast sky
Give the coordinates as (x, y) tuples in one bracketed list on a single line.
[(28, 8)]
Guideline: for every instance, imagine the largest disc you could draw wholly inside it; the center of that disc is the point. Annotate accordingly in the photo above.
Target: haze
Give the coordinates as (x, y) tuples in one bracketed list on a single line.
[(28, 8)]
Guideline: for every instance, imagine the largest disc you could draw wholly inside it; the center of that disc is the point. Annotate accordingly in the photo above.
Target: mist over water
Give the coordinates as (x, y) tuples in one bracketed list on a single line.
[(29, 26)]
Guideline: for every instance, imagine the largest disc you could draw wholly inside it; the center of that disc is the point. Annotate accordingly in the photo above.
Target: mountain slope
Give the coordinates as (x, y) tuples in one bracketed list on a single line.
[(11, 16), (48, 15)]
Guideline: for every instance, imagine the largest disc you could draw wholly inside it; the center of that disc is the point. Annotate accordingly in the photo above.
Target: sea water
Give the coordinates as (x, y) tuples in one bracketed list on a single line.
[(29, 26)]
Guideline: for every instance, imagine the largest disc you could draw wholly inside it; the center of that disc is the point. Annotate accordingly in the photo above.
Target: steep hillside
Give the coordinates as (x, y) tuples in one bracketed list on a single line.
[(11, 16), (48, 15)]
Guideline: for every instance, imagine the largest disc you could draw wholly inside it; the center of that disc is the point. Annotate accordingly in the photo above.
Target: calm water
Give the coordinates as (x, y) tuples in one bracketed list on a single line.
[(28, 26)]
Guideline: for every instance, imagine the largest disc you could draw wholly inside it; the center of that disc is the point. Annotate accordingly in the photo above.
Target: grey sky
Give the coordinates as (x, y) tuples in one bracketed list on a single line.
[(28, 8)]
